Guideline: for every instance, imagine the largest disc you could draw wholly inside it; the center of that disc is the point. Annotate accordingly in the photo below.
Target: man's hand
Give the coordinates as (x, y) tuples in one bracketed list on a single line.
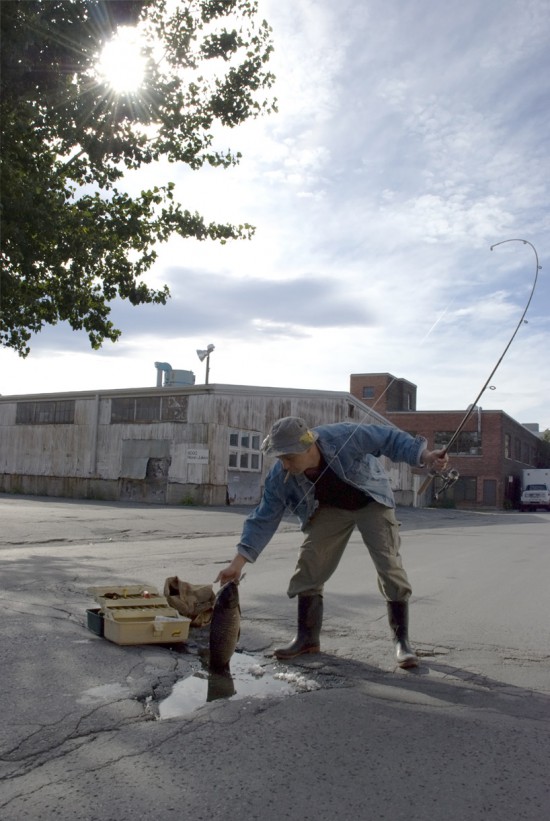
[(231, 573), (435, 460)]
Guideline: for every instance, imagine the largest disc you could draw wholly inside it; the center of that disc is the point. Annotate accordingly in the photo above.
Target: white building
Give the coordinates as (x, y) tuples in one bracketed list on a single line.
[(198, 444)]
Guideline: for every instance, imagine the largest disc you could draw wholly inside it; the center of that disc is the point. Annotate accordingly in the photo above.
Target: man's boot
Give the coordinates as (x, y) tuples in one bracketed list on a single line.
[(310, 619), (398, 615)]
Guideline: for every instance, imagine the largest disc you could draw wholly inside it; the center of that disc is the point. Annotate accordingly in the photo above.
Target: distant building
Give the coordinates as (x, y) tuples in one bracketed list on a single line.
[(489, 454), (191, 444), (385, 391)]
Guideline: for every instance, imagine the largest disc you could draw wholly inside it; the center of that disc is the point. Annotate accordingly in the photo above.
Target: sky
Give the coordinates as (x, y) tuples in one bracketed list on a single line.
[(411, 136)]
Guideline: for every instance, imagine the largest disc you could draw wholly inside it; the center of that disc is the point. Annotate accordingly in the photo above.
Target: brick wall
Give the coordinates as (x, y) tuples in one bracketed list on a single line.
[(493, 471), (492, 477), (383, 392)]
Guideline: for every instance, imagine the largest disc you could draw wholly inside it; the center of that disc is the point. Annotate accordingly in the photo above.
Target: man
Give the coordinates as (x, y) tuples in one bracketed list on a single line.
[(331, 479)]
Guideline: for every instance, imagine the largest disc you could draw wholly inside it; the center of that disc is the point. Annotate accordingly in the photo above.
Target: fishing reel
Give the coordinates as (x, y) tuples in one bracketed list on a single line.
[(449, 476)]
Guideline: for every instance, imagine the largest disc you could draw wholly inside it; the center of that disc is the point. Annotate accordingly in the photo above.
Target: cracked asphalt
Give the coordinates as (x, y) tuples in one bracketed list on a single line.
[(464, 737)]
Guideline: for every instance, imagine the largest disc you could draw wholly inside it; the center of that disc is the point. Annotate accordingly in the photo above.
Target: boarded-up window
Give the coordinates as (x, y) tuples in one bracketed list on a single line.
[(145, 458), (144, 409), (174, 408), (59, 412)]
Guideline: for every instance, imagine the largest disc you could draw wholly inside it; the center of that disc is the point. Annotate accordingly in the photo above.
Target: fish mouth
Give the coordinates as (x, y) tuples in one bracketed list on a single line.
[(228, 596)]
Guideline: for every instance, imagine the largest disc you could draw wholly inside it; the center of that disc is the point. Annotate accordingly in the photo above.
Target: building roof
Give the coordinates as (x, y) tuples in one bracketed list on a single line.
[(190, 390)]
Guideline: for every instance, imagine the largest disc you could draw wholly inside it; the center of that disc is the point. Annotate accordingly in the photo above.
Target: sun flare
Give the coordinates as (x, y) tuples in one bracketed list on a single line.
[(122, 62)]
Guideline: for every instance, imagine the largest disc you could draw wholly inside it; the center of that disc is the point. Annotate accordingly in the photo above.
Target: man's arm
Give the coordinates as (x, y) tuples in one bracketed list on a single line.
[(233, 571), (399, 446), (259, 527)]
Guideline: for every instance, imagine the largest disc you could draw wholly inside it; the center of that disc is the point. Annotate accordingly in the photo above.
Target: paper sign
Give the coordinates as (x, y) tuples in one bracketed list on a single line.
[(197, 456)]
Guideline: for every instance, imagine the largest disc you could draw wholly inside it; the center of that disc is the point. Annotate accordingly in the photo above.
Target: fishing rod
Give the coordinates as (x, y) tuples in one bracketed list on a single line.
[(451, 475)]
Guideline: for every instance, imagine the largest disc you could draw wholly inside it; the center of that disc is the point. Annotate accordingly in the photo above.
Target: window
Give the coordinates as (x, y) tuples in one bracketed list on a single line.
[(59, 412), (244, 450), (517, 449), (463, 490), (468, 443), (368, 392), (146, 409), (507, 446), (174, 408), (490, 492)]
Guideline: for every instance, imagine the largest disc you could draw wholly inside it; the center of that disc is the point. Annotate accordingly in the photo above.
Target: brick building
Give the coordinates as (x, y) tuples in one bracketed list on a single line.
[(490, 453)]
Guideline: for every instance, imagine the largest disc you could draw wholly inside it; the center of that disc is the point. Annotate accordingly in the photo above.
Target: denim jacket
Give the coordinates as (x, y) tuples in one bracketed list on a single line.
[(351, 452)]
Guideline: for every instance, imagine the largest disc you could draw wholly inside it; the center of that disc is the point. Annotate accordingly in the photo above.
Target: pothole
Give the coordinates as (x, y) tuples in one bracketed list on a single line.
[(251, 677)]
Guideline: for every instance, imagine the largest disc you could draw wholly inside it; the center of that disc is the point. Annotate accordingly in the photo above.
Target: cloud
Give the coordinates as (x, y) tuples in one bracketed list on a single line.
[(209, 303), (229, 303), (410, 138)]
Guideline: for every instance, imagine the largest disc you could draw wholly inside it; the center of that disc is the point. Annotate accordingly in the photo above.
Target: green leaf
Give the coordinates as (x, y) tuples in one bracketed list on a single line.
[(71, 240)]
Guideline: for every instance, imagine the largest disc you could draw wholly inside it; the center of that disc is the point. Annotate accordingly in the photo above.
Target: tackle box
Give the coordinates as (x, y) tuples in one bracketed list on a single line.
[(135, 614)]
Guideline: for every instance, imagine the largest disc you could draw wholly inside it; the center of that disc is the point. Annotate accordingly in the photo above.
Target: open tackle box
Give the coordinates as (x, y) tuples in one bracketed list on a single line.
[(135, 614)]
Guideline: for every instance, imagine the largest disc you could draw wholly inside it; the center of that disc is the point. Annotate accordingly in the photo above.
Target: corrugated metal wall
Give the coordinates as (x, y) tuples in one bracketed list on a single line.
[(183, 460)]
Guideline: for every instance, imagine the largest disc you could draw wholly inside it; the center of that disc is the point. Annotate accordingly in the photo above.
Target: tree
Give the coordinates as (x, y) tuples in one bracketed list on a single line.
[(72, 239)]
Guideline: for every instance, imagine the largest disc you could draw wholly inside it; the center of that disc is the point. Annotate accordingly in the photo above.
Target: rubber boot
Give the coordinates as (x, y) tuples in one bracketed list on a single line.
[(310, 619), (398, 615)]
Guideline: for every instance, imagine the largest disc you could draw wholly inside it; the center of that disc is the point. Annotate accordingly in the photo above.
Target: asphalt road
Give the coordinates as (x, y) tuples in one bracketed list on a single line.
[(343, 734)]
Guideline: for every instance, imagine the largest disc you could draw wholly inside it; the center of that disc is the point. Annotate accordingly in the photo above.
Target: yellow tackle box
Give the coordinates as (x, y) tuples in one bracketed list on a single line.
[(136, 614)]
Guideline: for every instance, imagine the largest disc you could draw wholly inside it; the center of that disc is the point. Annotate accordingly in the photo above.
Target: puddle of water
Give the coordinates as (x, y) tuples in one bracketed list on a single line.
[(249, 679)]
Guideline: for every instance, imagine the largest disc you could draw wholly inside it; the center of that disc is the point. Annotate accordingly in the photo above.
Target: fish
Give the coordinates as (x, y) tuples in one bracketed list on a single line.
[(225, 628)]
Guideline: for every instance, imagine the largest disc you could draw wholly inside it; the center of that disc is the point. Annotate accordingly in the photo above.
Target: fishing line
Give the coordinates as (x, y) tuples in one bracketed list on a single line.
[(364, 415)]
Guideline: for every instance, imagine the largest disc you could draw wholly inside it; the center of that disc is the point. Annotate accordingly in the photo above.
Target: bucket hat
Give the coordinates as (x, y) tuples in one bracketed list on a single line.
[(289, 435)]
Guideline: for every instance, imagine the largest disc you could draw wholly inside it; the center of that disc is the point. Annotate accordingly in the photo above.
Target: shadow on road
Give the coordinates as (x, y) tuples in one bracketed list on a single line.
[(458, 687)]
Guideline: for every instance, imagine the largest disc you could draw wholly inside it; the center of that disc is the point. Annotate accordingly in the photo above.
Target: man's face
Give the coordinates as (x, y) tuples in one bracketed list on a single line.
[(296, 463)]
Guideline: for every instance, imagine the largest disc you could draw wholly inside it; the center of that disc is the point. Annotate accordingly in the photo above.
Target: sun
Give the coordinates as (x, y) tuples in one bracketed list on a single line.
[(122, 61)]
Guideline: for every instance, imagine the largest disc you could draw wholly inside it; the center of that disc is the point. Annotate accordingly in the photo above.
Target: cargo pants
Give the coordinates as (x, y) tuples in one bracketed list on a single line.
[(326, 536)]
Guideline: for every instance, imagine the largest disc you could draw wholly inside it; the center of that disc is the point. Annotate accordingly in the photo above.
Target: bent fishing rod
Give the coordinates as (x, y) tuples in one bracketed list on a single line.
[(451, 475)]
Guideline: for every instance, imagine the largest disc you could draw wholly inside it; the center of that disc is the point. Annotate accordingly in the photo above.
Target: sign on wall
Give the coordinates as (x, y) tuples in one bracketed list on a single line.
[(197, 456)]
